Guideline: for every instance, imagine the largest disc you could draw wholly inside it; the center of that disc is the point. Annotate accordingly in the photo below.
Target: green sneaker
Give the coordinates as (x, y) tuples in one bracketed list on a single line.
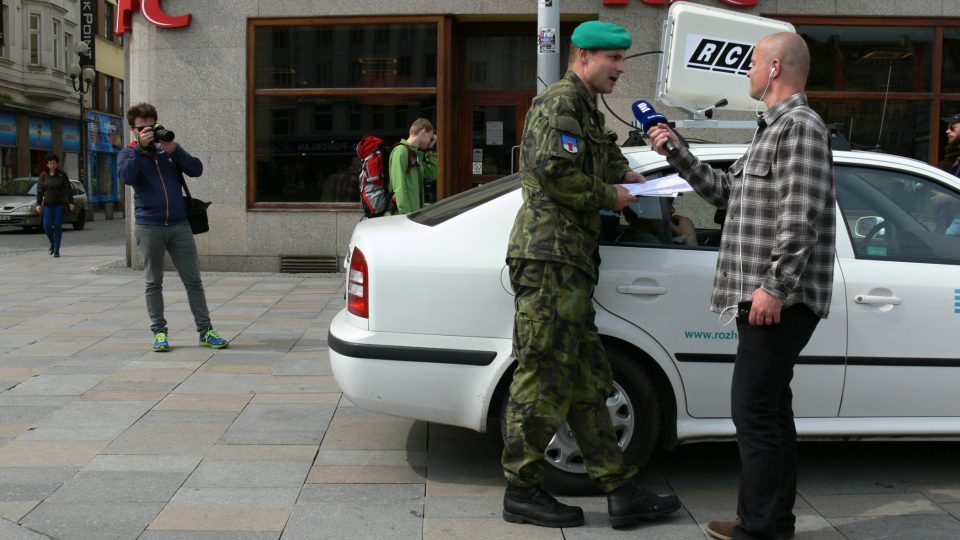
[(211, 338), (160, 342)]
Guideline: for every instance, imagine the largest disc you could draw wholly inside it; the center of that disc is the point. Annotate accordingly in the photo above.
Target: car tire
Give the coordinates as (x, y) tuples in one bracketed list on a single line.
[(81, 221), (642, 405)]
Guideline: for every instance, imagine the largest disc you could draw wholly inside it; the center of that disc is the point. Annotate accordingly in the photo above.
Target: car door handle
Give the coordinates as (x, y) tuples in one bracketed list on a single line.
[(870, 299), (641, 289)]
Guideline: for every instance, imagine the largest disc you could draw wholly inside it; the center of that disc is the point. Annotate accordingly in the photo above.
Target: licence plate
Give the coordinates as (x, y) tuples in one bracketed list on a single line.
[(5, 218)]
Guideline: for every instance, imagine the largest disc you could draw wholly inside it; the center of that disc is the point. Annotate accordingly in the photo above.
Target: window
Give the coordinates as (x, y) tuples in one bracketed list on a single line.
[(304, 161), (108, 103), (109, 15), (68, 55), (894, 215), (35, 39), (873, 78), (7, 36), (120, 95), (682, 222), (314, 99), (57, 59)]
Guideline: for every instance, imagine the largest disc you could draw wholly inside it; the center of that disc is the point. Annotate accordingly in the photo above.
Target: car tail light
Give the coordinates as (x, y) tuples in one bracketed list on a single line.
[(358, 286)]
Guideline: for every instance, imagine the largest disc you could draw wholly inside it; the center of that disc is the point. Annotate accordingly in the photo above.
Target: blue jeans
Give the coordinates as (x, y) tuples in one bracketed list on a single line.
[(154, 242), (53, 224)]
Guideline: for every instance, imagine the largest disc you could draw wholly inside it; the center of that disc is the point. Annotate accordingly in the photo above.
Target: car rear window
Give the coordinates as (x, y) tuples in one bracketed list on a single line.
[(451, 207)]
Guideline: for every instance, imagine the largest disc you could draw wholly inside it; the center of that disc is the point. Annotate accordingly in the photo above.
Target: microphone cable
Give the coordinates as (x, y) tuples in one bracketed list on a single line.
[(604, 100)]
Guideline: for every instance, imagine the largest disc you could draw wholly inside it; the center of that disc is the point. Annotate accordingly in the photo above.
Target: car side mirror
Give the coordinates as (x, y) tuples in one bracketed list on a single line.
[(864, 225)]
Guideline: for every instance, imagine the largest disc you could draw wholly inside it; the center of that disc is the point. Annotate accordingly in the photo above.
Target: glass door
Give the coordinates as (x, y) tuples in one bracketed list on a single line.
[(492, 143), (497, 77)]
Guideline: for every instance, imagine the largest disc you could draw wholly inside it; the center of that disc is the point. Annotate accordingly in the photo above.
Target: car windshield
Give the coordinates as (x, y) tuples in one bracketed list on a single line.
[(451, 207), (19, 186)]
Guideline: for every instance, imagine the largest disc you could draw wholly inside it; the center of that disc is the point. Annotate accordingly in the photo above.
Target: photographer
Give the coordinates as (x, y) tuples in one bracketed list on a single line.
[(152, 165)]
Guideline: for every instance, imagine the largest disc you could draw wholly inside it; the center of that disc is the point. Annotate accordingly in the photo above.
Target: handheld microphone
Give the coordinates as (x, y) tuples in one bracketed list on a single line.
[(648, 117)]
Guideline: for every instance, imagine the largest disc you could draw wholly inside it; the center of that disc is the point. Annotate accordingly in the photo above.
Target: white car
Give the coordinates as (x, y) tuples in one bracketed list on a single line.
[(426, 333)]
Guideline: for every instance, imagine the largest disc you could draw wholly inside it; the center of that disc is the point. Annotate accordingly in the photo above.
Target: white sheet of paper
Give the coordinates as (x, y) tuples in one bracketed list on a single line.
[(665, 186)]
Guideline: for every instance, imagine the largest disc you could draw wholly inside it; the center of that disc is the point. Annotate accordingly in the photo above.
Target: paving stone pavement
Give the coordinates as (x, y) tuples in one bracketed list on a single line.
[(101, 438)]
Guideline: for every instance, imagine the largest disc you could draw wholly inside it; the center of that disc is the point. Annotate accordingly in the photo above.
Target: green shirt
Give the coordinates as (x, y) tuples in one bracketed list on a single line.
[(568, 161), (407, 174)]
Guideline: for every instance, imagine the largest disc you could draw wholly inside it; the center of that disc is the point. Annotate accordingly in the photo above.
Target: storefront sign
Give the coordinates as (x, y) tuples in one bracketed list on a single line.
[(104, 133), (8, 129), (734, 3), (151, 11), (314, 147), (41, 133), (71, 136), (88, 31)]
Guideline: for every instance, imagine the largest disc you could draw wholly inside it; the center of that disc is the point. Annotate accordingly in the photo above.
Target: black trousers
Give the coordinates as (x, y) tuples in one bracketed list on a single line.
[(762, 406)]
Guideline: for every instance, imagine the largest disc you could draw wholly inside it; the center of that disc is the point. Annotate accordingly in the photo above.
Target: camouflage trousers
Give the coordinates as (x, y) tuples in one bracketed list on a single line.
[(562, 375)]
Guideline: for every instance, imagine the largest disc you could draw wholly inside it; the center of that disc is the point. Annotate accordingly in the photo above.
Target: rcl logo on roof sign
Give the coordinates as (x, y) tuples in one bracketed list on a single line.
[(718, 55), (151, 11), (734, 3)]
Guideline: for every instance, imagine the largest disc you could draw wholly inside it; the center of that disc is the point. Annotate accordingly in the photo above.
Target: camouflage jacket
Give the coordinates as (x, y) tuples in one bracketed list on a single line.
[(568, 160)]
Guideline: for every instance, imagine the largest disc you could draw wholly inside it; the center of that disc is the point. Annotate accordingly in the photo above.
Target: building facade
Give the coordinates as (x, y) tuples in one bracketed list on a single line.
[(40, 108), (274, 95)]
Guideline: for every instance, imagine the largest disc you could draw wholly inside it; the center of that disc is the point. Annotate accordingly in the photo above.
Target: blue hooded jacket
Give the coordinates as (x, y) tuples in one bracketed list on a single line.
[(157, 194)]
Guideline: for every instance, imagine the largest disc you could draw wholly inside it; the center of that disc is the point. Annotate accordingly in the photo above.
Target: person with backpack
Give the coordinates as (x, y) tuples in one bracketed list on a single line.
[(413, 161)]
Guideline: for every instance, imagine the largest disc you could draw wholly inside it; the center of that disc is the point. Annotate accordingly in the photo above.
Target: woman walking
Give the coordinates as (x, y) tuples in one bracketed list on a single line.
[(54, 197)]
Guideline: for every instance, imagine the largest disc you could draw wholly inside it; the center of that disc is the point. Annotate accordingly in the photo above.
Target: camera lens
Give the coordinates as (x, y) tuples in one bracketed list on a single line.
[(163, 134)]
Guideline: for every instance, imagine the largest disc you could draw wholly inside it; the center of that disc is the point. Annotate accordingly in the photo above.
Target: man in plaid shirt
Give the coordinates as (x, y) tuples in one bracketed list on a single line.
[(776, 262)]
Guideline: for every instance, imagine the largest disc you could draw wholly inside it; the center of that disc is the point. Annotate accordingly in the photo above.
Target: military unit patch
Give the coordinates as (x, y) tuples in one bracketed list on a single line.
[(569, 143)]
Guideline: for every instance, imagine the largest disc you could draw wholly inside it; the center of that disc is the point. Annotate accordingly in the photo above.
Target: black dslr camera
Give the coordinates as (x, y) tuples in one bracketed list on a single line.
[(161, 133)]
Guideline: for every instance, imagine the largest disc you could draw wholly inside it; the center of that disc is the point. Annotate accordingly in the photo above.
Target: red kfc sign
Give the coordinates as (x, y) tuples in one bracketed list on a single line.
[(151, 11), (735, 3)]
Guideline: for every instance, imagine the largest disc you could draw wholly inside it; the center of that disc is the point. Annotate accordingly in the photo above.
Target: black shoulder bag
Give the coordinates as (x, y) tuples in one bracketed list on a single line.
[(196, 209)]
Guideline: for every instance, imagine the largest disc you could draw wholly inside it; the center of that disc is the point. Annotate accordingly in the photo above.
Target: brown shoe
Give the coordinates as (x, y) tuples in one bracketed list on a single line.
[(723, 530)]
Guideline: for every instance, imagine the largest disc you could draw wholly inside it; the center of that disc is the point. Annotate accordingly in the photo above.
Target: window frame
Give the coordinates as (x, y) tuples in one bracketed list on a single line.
[(8, 36), (57, 31), (67, 48), (441, 91), (35, 39)]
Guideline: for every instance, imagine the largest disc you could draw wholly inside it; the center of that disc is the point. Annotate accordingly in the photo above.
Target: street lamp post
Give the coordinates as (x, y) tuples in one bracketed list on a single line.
[(82, 79)]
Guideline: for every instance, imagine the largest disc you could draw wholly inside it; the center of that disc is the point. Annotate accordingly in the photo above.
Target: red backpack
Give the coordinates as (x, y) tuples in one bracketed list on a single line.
[(375, 196)]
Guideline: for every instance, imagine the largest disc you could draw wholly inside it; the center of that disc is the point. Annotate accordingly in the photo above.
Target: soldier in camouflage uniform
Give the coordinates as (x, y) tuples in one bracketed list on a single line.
[(569, 163)]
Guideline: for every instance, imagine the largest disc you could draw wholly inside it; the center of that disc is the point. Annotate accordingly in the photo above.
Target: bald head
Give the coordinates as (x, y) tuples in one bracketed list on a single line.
[(792, 52)]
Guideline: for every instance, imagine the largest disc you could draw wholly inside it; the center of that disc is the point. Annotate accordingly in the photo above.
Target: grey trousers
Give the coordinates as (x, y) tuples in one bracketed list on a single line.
[(156, 240)]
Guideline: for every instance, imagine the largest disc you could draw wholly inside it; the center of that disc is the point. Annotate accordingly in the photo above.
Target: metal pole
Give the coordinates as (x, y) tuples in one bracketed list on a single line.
[(83, 144), (548, 43)]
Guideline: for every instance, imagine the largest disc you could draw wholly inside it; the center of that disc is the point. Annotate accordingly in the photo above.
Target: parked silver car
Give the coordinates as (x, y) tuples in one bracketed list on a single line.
[(18, 199)]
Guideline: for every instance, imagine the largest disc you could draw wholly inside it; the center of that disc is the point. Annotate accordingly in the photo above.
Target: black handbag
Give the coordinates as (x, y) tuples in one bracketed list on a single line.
[(196, 209)]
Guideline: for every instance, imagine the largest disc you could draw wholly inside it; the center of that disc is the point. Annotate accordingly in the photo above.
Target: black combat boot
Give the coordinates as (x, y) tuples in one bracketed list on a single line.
[(629, 504), (536, 506)]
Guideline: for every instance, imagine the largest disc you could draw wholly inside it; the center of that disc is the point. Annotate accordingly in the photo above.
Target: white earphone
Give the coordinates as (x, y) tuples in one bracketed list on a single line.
[(773, 71)]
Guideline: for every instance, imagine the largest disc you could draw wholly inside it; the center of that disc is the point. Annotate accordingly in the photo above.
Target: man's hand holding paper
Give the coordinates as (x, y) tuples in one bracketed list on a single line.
[(665, 186)]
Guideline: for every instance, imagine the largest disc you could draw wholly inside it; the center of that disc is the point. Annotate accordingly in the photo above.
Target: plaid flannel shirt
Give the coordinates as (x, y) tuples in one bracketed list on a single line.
[(781, 215)]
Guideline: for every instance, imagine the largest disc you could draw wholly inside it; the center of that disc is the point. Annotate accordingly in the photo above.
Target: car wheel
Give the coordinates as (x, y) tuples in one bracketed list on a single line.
[(81, 221), (634, 408)]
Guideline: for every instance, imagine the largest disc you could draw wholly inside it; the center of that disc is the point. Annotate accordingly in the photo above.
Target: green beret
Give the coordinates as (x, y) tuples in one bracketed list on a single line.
[(601, 35)]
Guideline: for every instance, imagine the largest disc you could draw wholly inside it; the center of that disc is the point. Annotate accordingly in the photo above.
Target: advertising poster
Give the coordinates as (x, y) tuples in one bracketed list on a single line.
[(41, 133), (8, 129), (71, 136), (104, 133)]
